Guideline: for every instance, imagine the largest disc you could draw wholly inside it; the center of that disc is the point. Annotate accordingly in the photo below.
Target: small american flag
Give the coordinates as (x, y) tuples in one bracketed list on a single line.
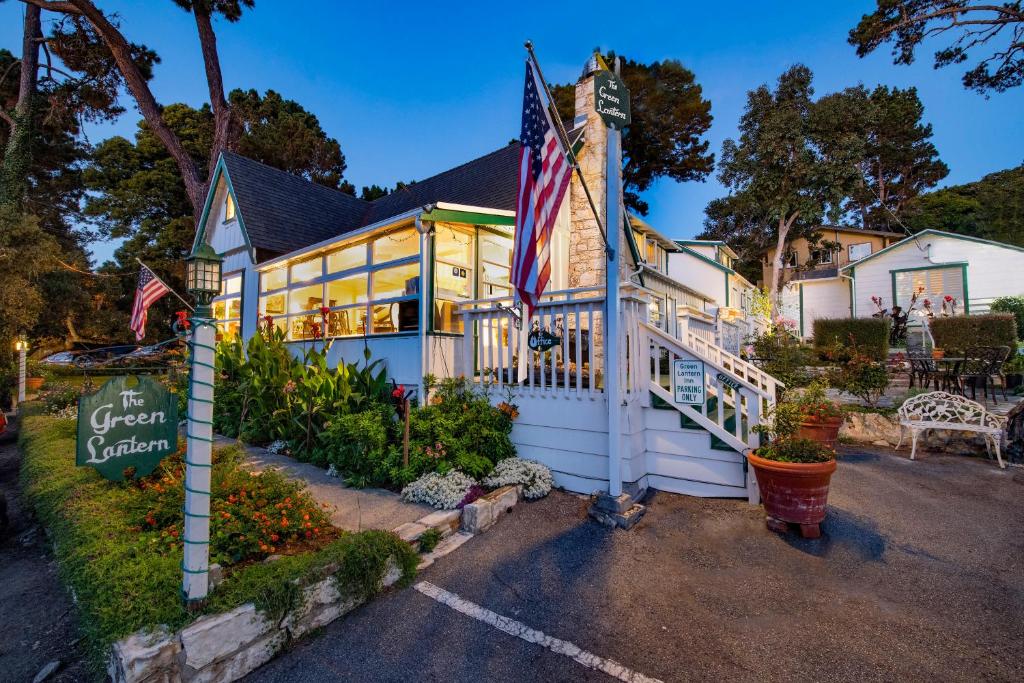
[(150, 289), (544, 174)]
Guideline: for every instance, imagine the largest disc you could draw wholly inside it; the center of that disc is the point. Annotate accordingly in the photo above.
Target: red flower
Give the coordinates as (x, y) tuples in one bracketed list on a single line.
[(316, 330), (948, 298), (269, 320), (399, 391), (182, 319), (324, 310)]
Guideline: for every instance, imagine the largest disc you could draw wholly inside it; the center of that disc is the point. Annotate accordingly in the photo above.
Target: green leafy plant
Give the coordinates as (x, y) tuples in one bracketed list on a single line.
[(429, 540), (956, 334), (796, 450), (833, 337), (814, 404), (862, 377), (1010, 304), (779, 353), (59, 396)]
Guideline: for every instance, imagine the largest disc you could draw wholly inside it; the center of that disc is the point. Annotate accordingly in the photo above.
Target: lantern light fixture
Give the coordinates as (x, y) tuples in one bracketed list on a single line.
[(203, 274)]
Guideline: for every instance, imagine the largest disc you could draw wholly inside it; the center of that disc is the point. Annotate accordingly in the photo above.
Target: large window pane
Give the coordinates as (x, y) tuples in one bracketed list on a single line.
[(453, 246), (218, 310), (447, 317), (398, 281), (273, 279), (306, 299), (348, 322), (453, 282), (231, 285), (346, 259), (346, 291), (933, 284), (310, 269), (272, 305), (399, 244), (397, 316)]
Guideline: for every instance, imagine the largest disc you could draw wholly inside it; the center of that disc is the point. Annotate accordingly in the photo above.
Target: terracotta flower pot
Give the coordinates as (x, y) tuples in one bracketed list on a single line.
[(938, 353), (825, 431), (33, 384), (793, 492)]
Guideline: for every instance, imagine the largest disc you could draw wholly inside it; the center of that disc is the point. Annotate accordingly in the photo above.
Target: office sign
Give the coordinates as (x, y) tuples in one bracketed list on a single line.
[(542, 340), (121, 427), (728, 381), (688, 381), (611, 100)]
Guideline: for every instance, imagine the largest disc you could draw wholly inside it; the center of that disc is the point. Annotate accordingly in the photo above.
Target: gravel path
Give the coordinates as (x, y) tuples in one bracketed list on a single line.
[(37, 618)]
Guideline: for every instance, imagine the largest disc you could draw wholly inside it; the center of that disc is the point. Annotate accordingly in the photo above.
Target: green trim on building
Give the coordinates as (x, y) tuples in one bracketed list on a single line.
[(631, 242), (221, 169), (709, 261), (726, 289), (962, 265), (471, 217), (850, 283)]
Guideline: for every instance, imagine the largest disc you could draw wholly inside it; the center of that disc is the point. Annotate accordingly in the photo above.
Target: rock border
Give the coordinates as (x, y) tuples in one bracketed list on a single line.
[(229, 645), (458, 526)]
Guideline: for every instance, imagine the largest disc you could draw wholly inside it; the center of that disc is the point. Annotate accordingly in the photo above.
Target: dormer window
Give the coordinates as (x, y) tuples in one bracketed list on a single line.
[(229, 208)]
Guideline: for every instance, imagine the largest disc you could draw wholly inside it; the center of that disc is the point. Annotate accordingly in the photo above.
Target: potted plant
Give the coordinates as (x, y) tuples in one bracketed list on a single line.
[(938, 353), (34, 377), (793, 476), (820, 417), (793, 473)]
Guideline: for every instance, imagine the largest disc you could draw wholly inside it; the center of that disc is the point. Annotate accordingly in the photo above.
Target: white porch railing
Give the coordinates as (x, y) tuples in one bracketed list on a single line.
[(699, 325), (735, 398), (495, 351)]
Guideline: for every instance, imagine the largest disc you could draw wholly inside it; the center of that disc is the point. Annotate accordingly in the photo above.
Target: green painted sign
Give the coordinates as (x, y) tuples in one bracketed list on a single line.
[(542, 340), (121, 427), (611, 100), (728, 381)]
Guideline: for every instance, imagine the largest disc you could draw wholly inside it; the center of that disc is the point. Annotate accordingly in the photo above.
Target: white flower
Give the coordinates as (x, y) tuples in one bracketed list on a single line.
[(442, 492), (279, 446), (332, 471), (66, 413), (534, 477)]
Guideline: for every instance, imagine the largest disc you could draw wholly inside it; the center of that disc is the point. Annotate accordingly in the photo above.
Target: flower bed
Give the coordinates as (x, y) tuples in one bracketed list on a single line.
[(118, 545), (351, 418)]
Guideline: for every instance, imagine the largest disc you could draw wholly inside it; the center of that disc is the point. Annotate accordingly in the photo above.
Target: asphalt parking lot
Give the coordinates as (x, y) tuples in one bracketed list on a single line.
[(919, 575)]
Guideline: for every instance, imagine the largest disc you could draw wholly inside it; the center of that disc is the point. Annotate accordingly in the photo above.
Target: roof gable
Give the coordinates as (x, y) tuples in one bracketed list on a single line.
[(939, 233)]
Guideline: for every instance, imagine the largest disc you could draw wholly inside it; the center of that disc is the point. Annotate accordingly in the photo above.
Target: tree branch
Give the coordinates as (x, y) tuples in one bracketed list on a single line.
[(214, 81), (54, 6), (148, 106)]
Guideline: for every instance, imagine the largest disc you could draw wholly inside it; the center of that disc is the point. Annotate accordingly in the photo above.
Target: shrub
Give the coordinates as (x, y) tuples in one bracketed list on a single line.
[(862, 377), (1010, 304), (814, 404), (123, 581), (429, 540), (780, 355), (362, 447), (869, 335), (442, 491), (956, 334), (534, 477), (796, 450), (59, 397)]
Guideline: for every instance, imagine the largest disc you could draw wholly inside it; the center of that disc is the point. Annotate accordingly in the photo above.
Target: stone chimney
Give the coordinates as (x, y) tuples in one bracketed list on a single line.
[(587, 259)]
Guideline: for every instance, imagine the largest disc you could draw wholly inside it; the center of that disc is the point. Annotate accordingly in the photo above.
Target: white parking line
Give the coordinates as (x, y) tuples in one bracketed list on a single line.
[(520, 630)]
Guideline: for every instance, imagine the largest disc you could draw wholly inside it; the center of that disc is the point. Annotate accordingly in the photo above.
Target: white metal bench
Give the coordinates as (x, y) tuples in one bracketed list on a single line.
[(940, 410)]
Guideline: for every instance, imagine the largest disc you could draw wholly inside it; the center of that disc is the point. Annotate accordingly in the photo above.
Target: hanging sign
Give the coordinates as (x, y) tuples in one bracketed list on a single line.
[(121, 427), (542, 340), (611, 100), (688, 381)]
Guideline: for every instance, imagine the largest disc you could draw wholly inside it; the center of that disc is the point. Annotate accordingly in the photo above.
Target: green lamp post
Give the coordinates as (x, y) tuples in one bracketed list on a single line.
[(21, 346), (203, 279)]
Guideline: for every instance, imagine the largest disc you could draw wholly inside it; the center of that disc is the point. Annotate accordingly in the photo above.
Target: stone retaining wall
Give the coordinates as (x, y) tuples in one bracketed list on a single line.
[(884, 430), (227, 646)]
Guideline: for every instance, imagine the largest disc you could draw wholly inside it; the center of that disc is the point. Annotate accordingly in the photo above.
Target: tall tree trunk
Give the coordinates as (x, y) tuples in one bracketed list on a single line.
[(18, 154), (780, 252), (222, 115), (148, 106)]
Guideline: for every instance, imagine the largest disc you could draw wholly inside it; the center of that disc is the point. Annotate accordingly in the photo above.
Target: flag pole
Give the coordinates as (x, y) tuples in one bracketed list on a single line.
[(169, 289), (564, 139)]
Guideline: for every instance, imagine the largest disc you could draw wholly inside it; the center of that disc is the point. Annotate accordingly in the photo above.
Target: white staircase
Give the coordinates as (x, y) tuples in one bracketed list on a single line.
[(698, 450)]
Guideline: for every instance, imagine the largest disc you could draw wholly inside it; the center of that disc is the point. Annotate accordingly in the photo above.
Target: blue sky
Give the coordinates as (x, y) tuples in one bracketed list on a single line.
[(410, 89)]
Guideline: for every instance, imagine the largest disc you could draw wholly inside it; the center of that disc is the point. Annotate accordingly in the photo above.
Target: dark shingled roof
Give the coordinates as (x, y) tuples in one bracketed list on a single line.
[(489, 181), (283, 212)]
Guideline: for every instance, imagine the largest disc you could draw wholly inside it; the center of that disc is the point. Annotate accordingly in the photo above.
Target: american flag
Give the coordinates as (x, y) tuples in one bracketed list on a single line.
[(150, 289), (544, 174)]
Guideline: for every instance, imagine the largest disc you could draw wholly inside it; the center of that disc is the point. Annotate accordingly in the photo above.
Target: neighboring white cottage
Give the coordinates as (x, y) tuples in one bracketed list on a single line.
[(971, 270)]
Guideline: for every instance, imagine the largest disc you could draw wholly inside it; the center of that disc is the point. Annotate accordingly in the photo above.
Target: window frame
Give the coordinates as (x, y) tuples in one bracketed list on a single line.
[(222, 323), (849, 251), (964, 302)]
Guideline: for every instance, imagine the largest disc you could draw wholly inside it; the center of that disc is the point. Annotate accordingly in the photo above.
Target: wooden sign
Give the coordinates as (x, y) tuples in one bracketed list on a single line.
[(542, 340), (611, 100), (688, 382), (121, 427)]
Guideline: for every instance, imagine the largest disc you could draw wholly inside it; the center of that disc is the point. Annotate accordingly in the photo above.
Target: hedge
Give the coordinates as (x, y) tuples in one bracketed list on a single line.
[(1010, 304), (121, 586), (871, 335), (956, 334)]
